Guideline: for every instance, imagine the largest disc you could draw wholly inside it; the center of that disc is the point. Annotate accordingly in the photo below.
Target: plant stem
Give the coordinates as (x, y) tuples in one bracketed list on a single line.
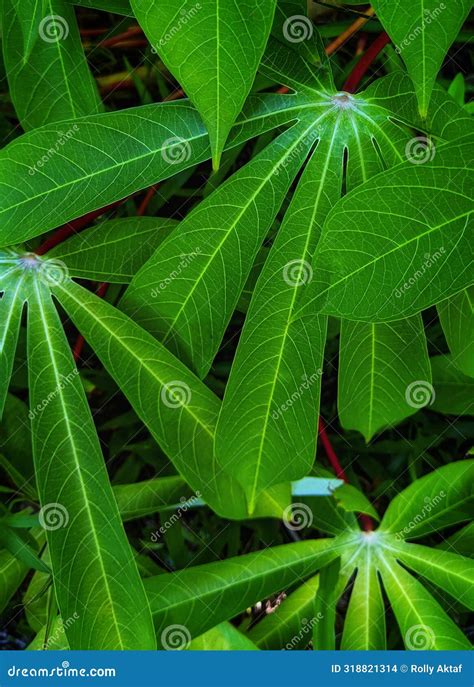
[(362, 66), (365, 520), (349, 32)]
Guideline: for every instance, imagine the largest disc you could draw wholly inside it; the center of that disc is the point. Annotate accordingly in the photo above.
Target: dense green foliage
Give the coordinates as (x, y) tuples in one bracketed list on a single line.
[(292, 241)]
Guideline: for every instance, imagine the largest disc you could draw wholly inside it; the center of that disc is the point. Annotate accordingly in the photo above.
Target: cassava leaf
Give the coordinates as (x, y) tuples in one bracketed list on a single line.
[(451, 572), (364, 626), (423, 623), (438, 500), (53, 83), (44, 184), (456, 315), (29, 16), (179, 410), (267, 430), (11, 307), (113, 251), (422, 31), (400, 242), (202, 596), (213, 48), (378, 363), (453, 390), (171, 299), (94, 571)]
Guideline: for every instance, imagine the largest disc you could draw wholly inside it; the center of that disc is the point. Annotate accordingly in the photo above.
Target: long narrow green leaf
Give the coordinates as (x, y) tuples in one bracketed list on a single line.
[(94, 570), (200, 597), (400, 242), (179, 410), (423, 623), (422, 31), (213, 48), (11, 307), (364, 626), (191, 312), (113, 251), (324, 630), (379, 365), (53, 83), (29, 16), (438, 500), (451, 572), (267, 429), (44, 184), (150, 496)]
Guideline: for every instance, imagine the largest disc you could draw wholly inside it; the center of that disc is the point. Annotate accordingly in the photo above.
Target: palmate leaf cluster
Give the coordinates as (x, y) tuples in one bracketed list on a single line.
[(353, 208)]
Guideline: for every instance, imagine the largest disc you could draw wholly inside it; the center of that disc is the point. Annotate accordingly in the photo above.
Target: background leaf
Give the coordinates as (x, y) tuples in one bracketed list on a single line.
[(213, 48)]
